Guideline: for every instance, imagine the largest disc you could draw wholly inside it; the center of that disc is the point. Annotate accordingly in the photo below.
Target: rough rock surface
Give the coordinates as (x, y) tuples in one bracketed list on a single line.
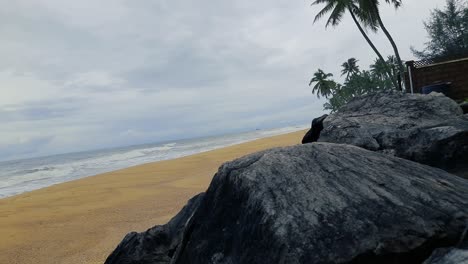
[(319, 203), (448, 256), (157, 244), (428, 129), (314, 133)]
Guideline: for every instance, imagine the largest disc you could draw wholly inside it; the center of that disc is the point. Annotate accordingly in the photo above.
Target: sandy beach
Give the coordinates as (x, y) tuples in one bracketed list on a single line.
[(82, 221)]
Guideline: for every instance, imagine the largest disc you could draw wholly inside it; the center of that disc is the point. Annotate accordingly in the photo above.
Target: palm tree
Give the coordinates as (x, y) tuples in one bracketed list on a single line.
[(378, 69), (370, 9), (337, 8), (323, 85), (350, 67), (393, 63)]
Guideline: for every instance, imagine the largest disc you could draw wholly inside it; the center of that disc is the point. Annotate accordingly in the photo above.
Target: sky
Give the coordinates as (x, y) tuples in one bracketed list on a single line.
[(89, 74)]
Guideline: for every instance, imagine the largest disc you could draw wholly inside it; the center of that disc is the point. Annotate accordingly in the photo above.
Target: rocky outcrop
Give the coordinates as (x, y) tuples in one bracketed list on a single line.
[(314, 133), (157, 244), (429, 129), (314, 203), (448, 256)]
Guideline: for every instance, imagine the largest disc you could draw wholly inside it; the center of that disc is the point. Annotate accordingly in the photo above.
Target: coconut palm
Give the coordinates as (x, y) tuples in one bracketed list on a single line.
[(393, 63), (370, 10), (323, 86), (337, 9), (378, 69), (340, 98), (350, 67)]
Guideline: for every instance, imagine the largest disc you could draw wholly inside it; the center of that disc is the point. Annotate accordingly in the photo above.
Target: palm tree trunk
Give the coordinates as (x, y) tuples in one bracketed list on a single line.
[(395, 48), (387, 69)]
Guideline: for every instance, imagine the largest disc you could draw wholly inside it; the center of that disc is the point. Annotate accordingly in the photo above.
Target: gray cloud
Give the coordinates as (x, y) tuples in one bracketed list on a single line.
[(78, 75), (40, 110)]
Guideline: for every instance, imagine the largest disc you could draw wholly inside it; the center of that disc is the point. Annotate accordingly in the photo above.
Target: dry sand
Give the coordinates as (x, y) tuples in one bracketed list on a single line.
[(83, 220)]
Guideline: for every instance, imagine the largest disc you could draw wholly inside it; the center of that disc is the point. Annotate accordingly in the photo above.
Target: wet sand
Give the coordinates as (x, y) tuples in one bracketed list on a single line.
[(83, 220)]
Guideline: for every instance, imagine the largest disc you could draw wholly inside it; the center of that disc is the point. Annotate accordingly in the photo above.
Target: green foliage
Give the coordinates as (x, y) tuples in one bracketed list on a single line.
[(370, 10), (336, 8), (357, 82), (365, 12), (350, 67), (448, 33), (323, 86)]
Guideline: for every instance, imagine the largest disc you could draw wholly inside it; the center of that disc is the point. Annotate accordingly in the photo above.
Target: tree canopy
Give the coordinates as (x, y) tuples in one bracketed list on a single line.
[(323, 85), (448, 33), (358, 82), (363, 12), (350, 67)]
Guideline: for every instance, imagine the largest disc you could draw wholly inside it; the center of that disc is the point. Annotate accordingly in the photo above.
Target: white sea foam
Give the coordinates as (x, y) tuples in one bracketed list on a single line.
[(26, 175)]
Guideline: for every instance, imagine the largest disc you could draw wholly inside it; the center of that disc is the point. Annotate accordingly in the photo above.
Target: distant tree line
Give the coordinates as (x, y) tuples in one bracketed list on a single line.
[(357, 82)]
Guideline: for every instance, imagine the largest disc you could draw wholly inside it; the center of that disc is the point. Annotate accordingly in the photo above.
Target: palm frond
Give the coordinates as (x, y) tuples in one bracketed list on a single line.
[(366, 14), (337, 14), (324, 11)]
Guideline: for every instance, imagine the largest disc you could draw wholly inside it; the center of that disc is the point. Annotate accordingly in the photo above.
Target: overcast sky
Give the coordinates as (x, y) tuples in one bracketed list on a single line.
[(78, 75)]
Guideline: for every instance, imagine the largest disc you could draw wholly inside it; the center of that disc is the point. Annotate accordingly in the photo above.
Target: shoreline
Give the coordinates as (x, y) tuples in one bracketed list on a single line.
[(27, 175), (83, 220)]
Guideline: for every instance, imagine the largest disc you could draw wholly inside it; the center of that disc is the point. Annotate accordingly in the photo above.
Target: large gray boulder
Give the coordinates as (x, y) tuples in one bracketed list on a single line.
[(429, 129), (320, 203)]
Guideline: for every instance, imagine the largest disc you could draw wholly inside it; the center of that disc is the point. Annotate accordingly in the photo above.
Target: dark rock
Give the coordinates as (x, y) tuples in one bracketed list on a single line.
[(325, 203), (156, 245), (314, 133), (448, 256), (464, 107), (317, 203), (428, 129)]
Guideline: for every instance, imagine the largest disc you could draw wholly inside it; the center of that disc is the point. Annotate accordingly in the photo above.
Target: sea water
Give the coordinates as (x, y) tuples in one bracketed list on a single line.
[(20, 176)]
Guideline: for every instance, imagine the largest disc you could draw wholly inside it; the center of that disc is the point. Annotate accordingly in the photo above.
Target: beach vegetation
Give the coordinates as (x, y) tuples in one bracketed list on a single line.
[(357, 82), (350, 68), (370, 11), (366, 15), (448, 33), (324, 86)]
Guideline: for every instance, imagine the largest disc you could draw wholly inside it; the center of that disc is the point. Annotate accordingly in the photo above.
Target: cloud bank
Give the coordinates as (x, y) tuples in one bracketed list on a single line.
[(77, 75)]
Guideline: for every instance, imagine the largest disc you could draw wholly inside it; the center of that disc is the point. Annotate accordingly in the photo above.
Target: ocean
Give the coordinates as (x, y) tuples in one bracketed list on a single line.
[(19, 176)]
